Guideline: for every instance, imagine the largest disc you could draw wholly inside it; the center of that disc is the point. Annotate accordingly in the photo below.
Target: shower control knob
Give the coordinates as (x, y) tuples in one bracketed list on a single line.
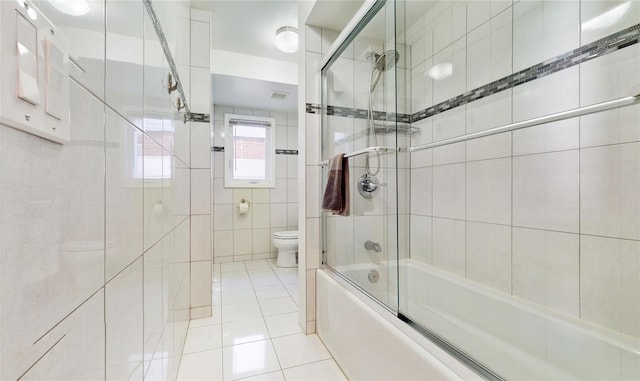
[(368, 185)]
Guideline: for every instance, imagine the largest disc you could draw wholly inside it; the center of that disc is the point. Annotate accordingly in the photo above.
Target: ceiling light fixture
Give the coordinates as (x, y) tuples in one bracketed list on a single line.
[(71, 7), (287, 39)]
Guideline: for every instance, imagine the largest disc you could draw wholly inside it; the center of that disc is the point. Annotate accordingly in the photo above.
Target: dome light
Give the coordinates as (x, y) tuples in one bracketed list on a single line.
[(287, 39)]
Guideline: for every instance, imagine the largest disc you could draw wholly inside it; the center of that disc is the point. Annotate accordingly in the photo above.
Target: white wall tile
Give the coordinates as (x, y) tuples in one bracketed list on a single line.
[(261, 216), (456, 83), (553, 93), (201, 191), (200, 145), (124, 60), (261, 196), (550, 137), (222, 244), (201, 238), (450, 25), (201, 277), (545, 191), (489, 51), (544, 29), (200, 90), (449, 245), (616, 264), (124, 324), (609, 188), (449, 191), (242, 241), (546, 268), (312, 77), (261, 240), (592, 30), (488, 193), (421, 239), (200, 47), (488, 255), (422, 191)]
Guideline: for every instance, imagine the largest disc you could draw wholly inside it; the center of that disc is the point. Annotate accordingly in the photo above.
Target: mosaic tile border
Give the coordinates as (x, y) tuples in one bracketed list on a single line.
[(614, 42), (278, 150), (202, 118), (599, 48), (357, 113)]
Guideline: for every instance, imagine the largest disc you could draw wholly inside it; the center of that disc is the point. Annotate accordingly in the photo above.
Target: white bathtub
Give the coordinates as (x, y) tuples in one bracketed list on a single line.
[(514, 338)]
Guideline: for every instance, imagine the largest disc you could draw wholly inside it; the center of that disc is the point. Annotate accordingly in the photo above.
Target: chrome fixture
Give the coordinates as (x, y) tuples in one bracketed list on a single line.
[(373, 276), (375, 246), (368, 185), (382, 62)]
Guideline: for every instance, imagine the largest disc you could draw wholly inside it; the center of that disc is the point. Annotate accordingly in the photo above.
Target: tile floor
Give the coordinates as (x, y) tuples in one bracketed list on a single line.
[(254, 332)]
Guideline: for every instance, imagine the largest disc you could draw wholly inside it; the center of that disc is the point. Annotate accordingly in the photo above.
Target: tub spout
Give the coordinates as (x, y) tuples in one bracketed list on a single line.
[(370, 245)]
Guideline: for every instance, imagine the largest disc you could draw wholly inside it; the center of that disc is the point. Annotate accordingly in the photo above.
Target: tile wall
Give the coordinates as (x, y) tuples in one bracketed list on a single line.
[(97, 240), (549, 214), (245, 237)]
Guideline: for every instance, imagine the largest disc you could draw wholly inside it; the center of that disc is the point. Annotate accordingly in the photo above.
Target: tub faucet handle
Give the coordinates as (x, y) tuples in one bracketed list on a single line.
[(370, 245)]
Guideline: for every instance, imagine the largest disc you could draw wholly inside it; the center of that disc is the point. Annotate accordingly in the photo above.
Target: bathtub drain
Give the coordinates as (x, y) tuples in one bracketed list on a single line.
[(373, 276)]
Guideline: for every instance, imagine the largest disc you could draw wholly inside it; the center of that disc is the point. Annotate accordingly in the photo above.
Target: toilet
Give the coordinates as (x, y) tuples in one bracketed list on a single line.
[(287, 244)]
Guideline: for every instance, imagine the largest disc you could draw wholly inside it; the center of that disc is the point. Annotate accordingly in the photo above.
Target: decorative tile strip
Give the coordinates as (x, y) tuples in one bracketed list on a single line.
[(313, 108), (278, 151), (606, 45), (609, 44), (286, 151), (358, 113), (204, 118)]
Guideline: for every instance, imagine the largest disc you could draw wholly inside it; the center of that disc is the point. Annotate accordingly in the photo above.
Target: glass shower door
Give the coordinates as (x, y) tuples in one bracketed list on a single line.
[(358, 119)]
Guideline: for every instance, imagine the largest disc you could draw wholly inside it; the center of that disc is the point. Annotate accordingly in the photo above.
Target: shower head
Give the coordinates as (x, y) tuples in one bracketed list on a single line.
[(382, 62), (386, 60)]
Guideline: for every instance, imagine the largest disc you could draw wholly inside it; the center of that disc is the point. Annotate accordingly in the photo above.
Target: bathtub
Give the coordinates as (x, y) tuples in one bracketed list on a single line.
[(513, 338)]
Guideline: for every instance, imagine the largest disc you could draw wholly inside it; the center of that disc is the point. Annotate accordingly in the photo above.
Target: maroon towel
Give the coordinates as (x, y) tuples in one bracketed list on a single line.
[(336, 195)]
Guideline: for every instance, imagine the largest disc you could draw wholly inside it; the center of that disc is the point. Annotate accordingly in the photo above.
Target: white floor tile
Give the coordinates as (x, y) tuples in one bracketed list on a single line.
[(265, 280), (235, 296), (257, 265), (283, 325), (232, 266), (326, 370), (216, 318), (299, 349), (254, 317), (203, 338), (293, 292), (278, 306), (244, 331), (249, 359), (201, 366), (241, 311), (236, 284), (273, 376), (271, 292)]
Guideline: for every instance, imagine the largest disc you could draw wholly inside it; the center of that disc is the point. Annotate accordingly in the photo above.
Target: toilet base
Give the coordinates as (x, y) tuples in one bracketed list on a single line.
[(286, 259)]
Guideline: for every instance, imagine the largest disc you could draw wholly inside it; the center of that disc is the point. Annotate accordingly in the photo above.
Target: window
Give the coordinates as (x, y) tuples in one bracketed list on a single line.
[(249, 151)]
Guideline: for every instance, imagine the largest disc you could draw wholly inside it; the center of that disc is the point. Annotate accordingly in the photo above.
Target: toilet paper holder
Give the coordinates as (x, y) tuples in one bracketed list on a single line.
[(243, 207)]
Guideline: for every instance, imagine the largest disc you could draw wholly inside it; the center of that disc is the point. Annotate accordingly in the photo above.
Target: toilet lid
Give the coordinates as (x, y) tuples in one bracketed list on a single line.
[(291, 234)]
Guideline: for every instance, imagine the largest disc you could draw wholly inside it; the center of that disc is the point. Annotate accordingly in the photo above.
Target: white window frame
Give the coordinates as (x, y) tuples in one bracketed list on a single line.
[(270, 152)]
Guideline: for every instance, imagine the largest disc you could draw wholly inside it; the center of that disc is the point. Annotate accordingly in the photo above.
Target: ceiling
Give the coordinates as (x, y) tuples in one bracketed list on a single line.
[(248, 27)]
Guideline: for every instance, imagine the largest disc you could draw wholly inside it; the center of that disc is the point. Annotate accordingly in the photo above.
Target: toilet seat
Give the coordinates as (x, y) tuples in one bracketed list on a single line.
[(291, 234)]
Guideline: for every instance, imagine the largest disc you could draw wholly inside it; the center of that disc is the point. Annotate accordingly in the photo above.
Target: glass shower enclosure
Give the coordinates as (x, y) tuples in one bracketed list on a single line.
[(494, 159)]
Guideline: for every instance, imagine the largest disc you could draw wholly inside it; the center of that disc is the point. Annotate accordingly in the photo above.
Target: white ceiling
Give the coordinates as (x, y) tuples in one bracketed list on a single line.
[(248, 27), (252, 93)]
